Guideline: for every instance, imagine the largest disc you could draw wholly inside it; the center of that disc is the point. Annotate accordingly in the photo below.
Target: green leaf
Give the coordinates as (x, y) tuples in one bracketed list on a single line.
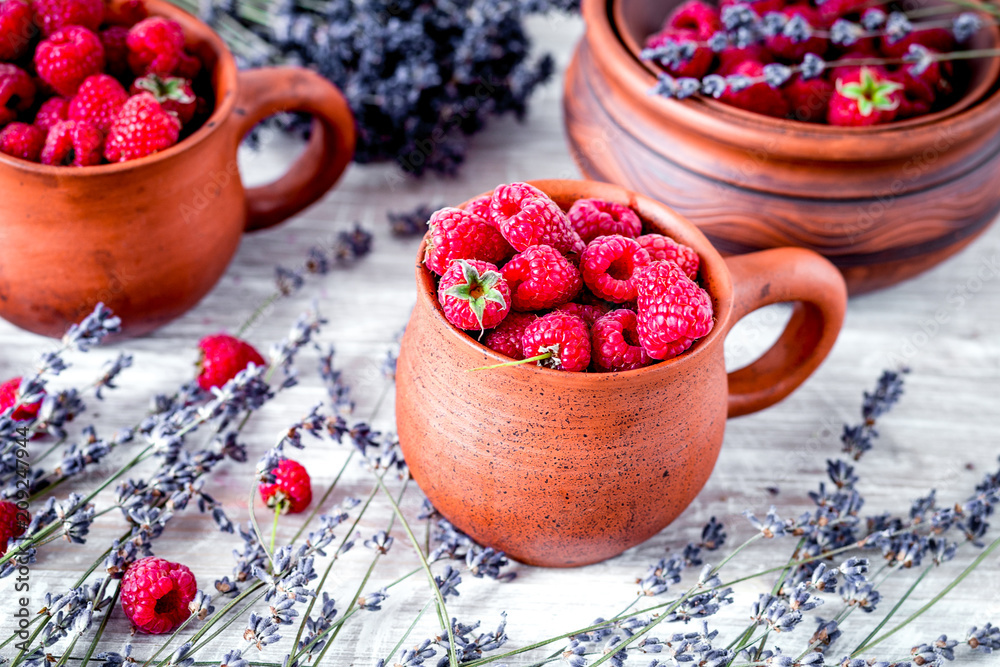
[(461, 291), (871, 92)]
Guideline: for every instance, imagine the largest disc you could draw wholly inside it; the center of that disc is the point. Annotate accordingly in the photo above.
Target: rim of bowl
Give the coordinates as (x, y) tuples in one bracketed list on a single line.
[(713, 271), (223, 80), (599, 15)]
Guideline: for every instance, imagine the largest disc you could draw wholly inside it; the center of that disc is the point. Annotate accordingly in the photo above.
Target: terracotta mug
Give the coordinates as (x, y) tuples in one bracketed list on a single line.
[(564, 469), (152, 236)]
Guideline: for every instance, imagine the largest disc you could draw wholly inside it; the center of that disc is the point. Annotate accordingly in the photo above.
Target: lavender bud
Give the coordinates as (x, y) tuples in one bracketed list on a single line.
[(718, 41), (797, 29), (845, 33), (737, 16), (773, 24), (738, 82), (873, 19), (965, 26), (776, 74), (920, 57), (897, 26), (713, 85), (812, 66), (686, 87), (665, 86)]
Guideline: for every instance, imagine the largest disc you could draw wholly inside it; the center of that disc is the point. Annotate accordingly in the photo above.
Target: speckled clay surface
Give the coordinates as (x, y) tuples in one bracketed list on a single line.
[(564, 469)]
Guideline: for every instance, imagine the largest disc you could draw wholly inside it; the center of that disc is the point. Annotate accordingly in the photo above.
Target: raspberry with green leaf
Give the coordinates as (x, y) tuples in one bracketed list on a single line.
[(474, 295), (864, 96)]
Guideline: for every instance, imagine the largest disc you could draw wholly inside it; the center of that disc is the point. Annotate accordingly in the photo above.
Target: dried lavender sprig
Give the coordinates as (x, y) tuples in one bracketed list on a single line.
[(412, 222)]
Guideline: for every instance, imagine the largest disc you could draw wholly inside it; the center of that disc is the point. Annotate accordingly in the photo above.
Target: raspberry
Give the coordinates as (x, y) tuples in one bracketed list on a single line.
[(156, 594), (141, 128), (222, 357), (541, 278), (832, 10), (809, 99), (919, 92), (564, 337), (155, 46), (731, 56), (116, 50), (98, 101), (665, 248), (173, 93), (526, 216), (697, 65), (17, 92), (51, 112), (758, 97), (507, 338), (16, 29), (864, 96), (125, 14), (698, 16), (9, 392), (53, 15), (615, 342), (673, 311), (13, 521), (291, 489), (73, 143), (68, 57), (474, 295), (786, 47), (23, 141), (588, 312), (594, 217), (935, 39), (481, 206), (609, 264), (457, 234), (188, 68)]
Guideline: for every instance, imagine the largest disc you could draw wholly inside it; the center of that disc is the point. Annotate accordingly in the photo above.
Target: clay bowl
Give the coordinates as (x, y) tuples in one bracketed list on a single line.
[(564, 469), (151, 237), (882, 203)]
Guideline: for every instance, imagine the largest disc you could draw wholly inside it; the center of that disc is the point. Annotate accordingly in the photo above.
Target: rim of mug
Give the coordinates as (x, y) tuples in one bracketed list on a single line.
[(713, 272), (223, 79)]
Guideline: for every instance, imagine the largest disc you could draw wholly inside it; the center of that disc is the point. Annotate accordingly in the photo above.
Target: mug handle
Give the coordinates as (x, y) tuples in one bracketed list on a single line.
[(820, 295), (268, 90)]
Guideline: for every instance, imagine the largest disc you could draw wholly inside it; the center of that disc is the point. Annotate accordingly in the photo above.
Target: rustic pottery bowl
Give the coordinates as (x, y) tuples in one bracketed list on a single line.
[(152, 236), (882, 203), (564, 469)]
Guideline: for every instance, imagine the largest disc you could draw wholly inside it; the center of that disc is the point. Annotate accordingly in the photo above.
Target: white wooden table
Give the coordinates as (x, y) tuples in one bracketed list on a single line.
[(943, 435)]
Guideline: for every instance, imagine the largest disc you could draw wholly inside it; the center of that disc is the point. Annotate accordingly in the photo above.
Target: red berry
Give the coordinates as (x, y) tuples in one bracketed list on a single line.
[(935, 39), (173, 93), (141, 128), (507, 338), (673, 311), (526, 216), (698, 16), (125, 14), (474, 295), (23, 141), (16, 29), (155, 46), (595, 217), (831, 10), (73, 143), (481, 206), (9, 392), (457, 234), (608, 266), (787, 48), (17, 92), (68, 57), (116, 50), (700, 62), (864, 96), (188, 68), (588, 312), (98, 101), (615, 342), (563, 336), (222, 357), (758, 97), (156, 593), (731, 56), (13, 522), (808, 99), (665, 248), (541, 278), (291, 488), (52, 111), (52, 15)]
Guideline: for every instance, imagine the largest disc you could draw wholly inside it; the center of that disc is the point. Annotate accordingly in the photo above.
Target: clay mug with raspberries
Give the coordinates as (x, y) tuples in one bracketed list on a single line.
[(150, 237), (564, 469)]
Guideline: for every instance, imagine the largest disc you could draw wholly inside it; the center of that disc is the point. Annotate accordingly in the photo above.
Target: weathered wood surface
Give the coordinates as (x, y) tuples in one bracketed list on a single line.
[(943, 435)]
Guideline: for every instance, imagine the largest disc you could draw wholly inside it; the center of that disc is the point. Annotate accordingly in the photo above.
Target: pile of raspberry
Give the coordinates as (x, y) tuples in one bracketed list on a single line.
[(576, 290), (82, 84), (862, 95)]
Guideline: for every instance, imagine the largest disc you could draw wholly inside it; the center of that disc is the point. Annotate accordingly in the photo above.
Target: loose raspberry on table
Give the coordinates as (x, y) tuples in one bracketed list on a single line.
[(595, 217), (97, 101), (17, 92), (665, 248), (16, 29), (222, 357), (67, 57), (9, 393), (564, 337), (474, 295), (456, 234), (155, 46), (615, 342), (673, 311), (73, 143), (155, 595), (23, 141), (141, 128), (52, 111), (174, 94), (608, 266), (540, 278), (291, 489), (13, 522), (53, 15), (588, 312), (507, 337), (526, 216), (116, 50)]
